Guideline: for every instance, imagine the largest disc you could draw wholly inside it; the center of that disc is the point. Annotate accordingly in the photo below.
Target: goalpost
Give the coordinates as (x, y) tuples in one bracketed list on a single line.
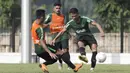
[(25, 31)]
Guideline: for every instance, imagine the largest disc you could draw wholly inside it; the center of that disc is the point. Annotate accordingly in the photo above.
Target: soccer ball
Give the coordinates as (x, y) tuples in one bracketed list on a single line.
[(101, 57)]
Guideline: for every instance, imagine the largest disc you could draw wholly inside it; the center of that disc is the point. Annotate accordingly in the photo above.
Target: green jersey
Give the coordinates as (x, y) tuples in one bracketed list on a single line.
[(48, 19), (40, 33), (38, 48), (81, 28)]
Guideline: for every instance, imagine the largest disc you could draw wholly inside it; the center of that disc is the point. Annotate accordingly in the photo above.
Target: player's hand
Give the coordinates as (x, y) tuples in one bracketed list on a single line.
[(53, 42), (102, 34), (45, 25), (53, 56)]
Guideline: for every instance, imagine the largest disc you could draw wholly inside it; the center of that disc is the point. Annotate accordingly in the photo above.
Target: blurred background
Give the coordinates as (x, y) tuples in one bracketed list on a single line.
[(112, 15)]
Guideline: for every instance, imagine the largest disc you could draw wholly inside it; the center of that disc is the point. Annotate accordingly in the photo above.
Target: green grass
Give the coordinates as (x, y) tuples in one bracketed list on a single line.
[(33, 68)]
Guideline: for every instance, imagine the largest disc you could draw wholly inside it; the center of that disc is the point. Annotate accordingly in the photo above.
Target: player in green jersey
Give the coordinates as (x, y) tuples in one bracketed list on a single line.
[(80, 24)]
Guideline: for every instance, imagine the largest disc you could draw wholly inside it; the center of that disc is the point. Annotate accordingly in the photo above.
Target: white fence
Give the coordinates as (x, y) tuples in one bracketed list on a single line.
[(112, 58)]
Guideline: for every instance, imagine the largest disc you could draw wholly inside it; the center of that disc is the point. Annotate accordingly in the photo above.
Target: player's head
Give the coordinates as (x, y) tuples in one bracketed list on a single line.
[(40, 14), (57, 8), (74, 13)]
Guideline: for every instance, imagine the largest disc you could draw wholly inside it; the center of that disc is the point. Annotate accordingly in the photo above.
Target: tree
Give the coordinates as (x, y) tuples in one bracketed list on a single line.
[(6, 12), (109, 12), (10, 18)]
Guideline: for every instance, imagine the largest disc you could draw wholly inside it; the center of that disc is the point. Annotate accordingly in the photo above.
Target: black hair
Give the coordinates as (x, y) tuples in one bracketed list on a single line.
[(57, 4), (40, 13), (73, 10)]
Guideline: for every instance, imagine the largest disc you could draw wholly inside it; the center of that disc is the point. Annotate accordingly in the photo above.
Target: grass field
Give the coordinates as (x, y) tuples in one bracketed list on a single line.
[(33, 68)]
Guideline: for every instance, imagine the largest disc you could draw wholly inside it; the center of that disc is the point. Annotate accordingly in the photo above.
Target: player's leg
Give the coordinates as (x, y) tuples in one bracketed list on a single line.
[(58, 45), (47, 58), (81, 44), (82, 51), (65, 47), (66, 58), (60, 64), (48, 61), (93, 46), (93, 58)]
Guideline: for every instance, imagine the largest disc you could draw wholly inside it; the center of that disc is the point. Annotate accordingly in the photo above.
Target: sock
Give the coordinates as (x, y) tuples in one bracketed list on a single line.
[(66, 58), (60, 61), (93, 59), (82, 51)]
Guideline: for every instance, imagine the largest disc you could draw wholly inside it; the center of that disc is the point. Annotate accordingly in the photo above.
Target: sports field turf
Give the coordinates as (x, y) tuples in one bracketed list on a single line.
[(33, 68)]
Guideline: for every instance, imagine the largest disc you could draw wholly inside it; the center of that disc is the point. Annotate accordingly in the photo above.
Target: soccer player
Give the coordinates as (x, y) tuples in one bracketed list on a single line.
[(47, 52), (56, 20), (80, 24), (41, 49)]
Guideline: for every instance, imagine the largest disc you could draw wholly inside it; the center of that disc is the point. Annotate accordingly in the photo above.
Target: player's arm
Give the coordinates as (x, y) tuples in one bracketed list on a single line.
[(41, 34), (95, 24), (47, 20), (58, 35), (66, 27), (99, 27)]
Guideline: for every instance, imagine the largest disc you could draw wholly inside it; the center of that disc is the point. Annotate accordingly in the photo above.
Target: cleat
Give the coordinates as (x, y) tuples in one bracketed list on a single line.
[(83, 58), (91, 69), (44, 68), (68, 68), (77, 67), (46, 72)]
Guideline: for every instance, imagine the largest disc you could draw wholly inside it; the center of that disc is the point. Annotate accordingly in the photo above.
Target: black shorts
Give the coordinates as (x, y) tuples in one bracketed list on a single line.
[(87, 40), (62, 44), (46, 56)]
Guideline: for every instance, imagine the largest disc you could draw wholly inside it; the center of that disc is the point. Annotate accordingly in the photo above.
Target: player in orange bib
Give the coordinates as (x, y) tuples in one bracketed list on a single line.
[(46, 52), (56, 24)]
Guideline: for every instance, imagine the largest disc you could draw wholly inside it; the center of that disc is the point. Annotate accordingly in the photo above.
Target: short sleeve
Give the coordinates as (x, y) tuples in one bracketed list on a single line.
[(88, 19), (48, 19), (40, 33), (68, 25)]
